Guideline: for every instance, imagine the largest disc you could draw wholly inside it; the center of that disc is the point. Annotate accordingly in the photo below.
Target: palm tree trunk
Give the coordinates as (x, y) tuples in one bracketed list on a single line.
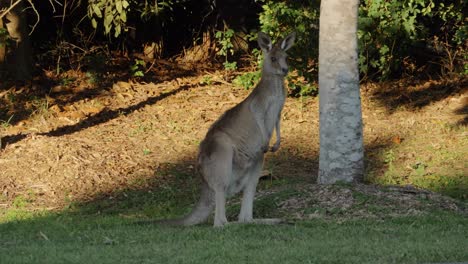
[(341, 137)]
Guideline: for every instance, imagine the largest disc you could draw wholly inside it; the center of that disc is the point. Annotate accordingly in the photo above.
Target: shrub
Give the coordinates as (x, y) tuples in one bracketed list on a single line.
[(392, 31), (278, 18), (395, 37)]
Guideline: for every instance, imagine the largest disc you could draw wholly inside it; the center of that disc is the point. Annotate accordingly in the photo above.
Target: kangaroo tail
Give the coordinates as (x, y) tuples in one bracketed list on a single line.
[(199, 213)]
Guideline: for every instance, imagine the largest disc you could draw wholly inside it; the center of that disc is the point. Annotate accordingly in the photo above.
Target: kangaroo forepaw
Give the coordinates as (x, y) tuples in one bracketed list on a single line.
[(274, 148)]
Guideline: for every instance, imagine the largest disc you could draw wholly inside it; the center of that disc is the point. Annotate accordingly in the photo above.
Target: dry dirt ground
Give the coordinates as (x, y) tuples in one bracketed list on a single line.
[(75, 138)]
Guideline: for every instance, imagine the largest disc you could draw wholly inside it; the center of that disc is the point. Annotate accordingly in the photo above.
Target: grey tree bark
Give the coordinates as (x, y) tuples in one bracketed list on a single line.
[(341, 137), (17, 58)]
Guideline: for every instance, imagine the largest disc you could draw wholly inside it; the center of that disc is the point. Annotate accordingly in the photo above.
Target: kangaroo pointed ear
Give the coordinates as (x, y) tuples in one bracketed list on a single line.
[(264, 41), (288, 41)]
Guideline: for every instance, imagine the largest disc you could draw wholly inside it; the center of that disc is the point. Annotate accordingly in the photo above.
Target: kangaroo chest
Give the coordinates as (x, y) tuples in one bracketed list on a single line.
[(275, 102)]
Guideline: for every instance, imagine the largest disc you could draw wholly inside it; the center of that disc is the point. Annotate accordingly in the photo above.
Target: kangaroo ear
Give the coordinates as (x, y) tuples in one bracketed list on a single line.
[(264, 41), (288, 41)]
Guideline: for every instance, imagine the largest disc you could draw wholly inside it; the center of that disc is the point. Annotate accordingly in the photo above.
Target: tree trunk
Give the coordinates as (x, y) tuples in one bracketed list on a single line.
[(17, 58), (341, 140)]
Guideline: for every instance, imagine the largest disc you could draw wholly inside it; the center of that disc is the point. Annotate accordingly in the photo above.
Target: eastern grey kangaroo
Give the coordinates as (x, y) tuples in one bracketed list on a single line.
[(230, 158)]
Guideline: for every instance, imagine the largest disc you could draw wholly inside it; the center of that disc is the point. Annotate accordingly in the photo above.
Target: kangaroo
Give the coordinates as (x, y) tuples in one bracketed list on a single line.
[(230, 158)]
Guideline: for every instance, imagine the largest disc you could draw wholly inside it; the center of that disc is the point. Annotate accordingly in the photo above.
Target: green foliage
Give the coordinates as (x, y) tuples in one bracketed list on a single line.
[(5, 38), (156, 8), (113, 15), (137, 68), (230, 66), (389, 30), (247, 80), (277, 19), (300, 85), (224, 39), (206, 80), (21, 201), (146, 151), (6, 123)]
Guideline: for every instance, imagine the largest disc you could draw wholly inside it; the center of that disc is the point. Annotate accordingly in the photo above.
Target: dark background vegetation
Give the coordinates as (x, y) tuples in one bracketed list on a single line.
[(420, 38)]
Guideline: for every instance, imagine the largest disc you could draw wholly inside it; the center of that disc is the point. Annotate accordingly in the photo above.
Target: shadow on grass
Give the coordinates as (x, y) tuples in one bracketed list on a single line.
[(108, 220), (174, 187)]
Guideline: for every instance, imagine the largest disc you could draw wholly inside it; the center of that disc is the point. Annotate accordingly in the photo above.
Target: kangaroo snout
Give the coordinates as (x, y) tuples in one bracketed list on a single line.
[(284, 70)]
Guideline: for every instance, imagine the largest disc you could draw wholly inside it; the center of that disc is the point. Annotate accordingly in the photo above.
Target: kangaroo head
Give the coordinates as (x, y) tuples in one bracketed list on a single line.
[(274, 61)]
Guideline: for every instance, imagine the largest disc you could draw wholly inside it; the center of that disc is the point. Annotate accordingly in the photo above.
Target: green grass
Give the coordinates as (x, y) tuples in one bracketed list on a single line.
[(433, 159), (96, 238), (104, 231)]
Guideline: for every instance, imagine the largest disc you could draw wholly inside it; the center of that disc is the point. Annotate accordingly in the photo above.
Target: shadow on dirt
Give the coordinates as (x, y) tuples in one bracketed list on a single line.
[(414, 95), (463, 110), (107, 115), (18, 101), (99, 118)]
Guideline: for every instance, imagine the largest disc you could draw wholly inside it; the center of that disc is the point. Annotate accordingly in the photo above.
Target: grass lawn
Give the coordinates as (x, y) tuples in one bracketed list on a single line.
[(84, 238)]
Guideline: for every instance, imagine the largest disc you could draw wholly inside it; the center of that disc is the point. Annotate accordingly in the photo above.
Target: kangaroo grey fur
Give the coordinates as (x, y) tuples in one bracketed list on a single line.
[(230, 157)]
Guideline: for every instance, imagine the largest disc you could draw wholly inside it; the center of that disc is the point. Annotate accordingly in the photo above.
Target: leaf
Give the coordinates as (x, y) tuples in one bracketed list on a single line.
[(125, 4), (123, 17), (134, 68), (138, 74), (117, 30), (118, 6), (108, 20), (94, 23), (97, 11)]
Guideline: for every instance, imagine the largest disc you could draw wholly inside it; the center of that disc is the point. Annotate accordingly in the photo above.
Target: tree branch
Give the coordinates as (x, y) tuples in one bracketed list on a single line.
[(9, 9), (37, 14)]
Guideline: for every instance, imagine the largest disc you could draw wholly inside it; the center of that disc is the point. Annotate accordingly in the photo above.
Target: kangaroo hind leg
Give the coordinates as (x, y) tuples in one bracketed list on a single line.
[(253, 174), (217, 171)]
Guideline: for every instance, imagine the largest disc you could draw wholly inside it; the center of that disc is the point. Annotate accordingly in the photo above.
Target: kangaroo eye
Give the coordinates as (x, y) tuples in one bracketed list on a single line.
[(273, 59)]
